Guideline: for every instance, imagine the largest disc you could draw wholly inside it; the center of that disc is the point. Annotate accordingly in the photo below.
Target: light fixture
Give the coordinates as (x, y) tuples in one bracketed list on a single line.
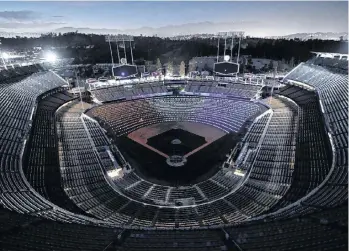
[(51, 57), (5, 55)]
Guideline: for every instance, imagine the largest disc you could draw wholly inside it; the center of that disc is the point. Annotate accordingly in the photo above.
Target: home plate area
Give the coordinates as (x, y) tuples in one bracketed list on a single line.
[(176, 153)]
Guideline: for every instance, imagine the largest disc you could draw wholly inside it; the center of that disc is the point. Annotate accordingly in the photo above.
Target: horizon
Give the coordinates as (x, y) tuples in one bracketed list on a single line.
[(258, 19)]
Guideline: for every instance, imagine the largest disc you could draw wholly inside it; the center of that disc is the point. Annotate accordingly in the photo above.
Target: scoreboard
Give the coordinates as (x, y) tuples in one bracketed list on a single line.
[(125, 71), (226, 68)]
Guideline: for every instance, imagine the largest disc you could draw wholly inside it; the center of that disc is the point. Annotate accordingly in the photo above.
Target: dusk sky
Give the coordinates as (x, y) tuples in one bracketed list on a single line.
[(263, 18)]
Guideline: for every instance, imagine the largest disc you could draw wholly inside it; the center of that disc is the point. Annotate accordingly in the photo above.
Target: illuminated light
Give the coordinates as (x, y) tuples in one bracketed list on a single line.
[(123, 61), (122, 73), (51, 57), (5, 55), (115, 173), (239, 173), (226, 58)]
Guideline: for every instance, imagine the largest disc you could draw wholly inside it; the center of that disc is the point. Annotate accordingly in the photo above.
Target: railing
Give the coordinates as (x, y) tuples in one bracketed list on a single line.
[(258, 147), (183, 80)]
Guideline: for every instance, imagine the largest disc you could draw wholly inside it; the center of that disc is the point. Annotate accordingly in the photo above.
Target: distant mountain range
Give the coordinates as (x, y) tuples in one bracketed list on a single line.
[(316, 35), (169, 30), (190, 29), (200, 28)]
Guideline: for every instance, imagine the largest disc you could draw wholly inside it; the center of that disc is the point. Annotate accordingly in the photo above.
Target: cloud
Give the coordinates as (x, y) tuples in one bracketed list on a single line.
[(23, 15), (37, 26), (24, 20), (14, 25)]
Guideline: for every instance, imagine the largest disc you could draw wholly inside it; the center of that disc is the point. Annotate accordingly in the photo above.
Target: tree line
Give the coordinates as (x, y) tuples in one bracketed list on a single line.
[(92, 49)]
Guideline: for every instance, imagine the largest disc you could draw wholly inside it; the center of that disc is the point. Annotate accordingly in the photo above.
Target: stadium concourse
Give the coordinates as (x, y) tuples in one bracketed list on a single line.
[(205, 165)]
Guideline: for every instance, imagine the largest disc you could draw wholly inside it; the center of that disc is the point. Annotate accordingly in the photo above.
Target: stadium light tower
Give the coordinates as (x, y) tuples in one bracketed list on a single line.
[(218, 49), (225, 36), (227, 67), (240, 34), (116, 39), (230, 35), (111, 52)]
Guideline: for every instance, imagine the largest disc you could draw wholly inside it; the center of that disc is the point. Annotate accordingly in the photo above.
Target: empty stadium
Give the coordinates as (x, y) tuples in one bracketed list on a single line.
[(208, 165)]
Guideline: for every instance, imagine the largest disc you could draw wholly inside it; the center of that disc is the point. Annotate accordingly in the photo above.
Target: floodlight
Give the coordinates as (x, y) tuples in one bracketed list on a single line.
[(51, 57), (226, 58), (239, 173), (5, 55), (115, 173), (123, 61)]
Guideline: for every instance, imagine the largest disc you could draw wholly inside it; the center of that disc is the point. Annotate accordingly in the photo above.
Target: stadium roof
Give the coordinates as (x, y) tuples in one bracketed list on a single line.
[(329, 54)]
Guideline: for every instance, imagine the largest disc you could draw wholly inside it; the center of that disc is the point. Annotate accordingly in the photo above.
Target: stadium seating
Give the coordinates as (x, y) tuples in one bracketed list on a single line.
[(338, 65), (286, 189), (313, 151), (24, 232), (18, 100), (332, 93), (302, 233), (126, 117), (233, 89), (130, 185), (41, 163), (266, 160), (198, 87), (82, 175), (274, 180), (122, 92)]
